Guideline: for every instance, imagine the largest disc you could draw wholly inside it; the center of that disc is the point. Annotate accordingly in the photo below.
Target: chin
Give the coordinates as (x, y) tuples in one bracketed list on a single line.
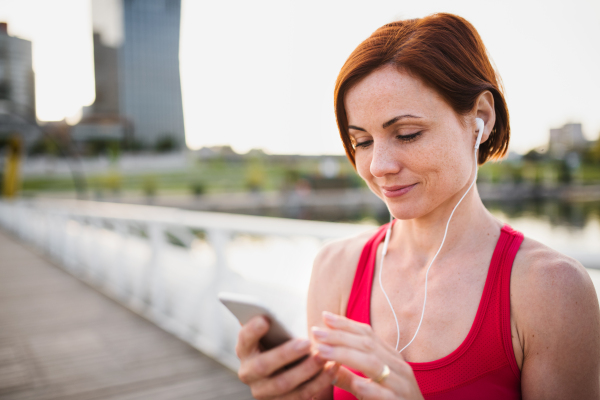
[(404, 212), (404, 208)]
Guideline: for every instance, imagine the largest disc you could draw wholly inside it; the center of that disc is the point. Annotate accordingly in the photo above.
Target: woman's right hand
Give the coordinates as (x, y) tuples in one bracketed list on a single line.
[(264, 373)]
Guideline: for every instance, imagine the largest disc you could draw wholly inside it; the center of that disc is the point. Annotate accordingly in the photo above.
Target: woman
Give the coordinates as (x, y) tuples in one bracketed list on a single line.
[(505, 317)]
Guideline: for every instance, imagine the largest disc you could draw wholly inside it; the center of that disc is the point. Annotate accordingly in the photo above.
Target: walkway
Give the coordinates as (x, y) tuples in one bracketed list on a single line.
[(60, 339)]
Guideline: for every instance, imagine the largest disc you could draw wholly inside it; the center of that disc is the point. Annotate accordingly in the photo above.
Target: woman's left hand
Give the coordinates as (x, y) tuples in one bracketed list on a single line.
[(355, 345)]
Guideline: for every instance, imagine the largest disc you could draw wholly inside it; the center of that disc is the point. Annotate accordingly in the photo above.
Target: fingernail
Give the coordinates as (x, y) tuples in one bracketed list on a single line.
[(325, 350), (330, 317), (302, 345), (319, 333), (361, 385)]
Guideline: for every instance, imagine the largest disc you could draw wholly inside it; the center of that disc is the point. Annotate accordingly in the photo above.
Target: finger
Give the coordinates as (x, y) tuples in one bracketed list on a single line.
[(366, 362), (290, 379), (265, 364), (344, 378), (250, 335), (315, 386), (364, 389), (334, 337), (339, 322)]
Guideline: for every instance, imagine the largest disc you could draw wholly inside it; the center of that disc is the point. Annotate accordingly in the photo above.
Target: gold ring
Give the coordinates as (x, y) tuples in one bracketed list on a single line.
[(384, 374)]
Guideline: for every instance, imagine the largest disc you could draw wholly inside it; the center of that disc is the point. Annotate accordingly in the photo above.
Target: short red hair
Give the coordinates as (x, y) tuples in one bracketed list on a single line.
[(443, 50)]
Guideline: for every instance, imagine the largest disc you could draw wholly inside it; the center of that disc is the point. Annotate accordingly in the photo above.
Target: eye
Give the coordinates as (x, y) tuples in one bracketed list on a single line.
[(363, 144), (409, 138)]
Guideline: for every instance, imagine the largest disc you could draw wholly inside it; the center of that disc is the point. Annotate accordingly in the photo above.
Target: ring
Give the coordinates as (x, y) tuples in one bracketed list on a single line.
[(384, 374)]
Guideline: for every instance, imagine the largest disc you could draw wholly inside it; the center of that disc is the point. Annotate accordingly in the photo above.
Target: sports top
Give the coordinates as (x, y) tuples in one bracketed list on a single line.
[(484, 364)]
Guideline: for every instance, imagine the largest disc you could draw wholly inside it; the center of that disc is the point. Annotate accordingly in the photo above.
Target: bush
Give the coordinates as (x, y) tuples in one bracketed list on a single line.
[(166, 144), (198, 188)]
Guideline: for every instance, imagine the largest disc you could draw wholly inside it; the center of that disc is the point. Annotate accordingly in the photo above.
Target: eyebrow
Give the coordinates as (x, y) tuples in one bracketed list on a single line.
[(386, 124)]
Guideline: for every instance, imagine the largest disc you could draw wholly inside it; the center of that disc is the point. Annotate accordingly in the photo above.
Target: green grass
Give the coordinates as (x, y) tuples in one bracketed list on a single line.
[(219, 176), (215, 176)]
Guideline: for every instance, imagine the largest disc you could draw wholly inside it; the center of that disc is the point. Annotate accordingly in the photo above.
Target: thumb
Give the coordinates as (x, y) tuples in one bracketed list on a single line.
[(345, 379)]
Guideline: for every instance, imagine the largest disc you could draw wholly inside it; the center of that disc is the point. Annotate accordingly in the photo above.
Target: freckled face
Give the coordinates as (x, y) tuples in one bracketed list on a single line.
[(411, 147)]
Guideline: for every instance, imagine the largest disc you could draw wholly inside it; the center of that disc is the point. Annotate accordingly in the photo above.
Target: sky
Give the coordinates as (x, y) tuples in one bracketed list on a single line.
[(260, 74)]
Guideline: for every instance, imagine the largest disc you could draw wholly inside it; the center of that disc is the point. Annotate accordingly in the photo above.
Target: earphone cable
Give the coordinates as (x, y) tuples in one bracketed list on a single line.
[(384, 252)]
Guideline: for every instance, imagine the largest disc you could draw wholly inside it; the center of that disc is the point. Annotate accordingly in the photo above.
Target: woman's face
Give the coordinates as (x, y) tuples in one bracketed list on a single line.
[(412, 149)]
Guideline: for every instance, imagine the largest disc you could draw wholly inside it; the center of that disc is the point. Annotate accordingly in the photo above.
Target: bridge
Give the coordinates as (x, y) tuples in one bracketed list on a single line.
[(61, 340), (113, 301)]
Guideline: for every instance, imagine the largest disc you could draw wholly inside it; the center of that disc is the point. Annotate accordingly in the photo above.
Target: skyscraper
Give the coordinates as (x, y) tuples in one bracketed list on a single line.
[(17, 90), (106, 76), (149, 84), (17, 86)]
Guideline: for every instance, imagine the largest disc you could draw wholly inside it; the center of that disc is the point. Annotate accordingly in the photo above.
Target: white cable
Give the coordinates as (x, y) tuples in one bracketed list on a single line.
[(383, 253), (385, 247)]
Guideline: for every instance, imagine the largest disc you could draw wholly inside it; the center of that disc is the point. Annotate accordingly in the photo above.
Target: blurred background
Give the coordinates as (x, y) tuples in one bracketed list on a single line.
[(163, 150)]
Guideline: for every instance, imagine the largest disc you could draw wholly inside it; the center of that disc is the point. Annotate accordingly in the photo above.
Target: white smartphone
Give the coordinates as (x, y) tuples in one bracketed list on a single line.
[(246, 307)]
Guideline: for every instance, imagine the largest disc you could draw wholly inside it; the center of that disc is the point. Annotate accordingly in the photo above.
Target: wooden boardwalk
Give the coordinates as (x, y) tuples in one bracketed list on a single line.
[(60, 339)]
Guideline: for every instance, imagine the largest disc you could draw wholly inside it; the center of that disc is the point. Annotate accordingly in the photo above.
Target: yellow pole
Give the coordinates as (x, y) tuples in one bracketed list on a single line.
[(11, 180)]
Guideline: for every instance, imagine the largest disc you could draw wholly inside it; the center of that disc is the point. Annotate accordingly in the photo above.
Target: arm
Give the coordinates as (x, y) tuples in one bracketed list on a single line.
[(555, 309), (330, 284)]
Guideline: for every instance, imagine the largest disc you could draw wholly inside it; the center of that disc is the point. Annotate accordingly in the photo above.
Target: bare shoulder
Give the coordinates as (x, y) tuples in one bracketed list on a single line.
[(555, 315), (540, 270), (550, 281), (332, 276), (340, 255)]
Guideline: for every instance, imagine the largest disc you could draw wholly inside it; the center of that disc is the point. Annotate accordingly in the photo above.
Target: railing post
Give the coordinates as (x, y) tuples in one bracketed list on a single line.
[(154, 295), (122, 291), (218, 240)]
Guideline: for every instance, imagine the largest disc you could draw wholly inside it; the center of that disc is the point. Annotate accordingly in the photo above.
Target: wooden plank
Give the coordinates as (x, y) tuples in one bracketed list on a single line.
[(60, 339)]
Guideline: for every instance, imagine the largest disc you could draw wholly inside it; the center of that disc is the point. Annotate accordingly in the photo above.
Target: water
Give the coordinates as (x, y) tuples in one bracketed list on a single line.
[(570, 228)]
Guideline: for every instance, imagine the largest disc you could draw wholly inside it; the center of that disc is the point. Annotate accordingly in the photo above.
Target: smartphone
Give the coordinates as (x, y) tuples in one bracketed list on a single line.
[(246, 307)]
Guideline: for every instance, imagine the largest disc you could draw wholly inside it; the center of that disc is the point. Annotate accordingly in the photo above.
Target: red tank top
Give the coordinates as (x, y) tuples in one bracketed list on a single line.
[(484, 365)]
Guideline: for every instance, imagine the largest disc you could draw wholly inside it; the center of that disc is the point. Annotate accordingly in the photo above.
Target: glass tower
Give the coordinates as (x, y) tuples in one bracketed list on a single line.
[(149, 84)]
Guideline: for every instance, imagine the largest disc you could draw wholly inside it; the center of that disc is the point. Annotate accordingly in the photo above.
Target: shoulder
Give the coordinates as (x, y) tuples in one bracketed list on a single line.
[(341, 254), (544, 272), (546, 281), (333, 274), (555, 313)]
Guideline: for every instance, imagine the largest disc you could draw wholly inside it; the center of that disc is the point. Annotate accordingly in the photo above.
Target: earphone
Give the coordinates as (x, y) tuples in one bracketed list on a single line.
[(480, 127)]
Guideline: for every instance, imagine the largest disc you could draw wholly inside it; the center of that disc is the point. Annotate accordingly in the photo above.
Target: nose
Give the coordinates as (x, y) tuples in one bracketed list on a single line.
[(384, 161)]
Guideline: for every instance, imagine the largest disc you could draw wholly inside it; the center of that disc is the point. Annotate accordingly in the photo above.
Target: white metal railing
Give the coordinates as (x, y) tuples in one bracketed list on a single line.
[(168, 264)]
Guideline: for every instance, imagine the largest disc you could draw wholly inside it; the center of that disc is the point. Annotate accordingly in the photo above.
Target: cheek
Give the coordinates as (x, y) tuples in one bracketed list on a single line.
[(440, 164), (449, 164), (363, 165)]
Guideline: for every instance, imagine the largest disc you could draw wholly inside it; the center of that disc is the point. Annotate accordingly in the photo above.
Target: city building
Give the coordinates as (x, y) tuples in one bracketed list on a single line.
[(102, 120), (17, 86), (107, 77), (567, 139), (149, 82)]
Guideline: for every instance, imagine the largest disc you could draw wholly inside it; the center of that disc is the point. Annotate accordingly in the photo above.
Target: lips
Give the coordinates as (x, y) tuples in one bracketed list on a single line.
[(397, 190)]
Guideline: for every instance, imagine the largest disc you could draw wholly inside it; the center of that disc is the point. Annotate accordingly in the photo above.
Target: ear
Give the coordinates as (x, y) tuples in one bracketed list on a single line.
[(484, 109)]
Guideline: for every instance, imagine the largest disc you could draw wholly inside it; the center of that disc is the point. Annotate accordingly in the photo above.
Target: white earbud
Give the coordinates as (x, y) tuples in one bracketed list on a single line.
[(480, 127)]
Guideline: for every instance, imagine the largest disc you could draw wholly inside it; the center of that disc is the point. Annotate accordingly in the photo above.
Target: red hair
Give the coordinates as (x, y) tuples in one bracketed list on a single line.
[(446, 53)]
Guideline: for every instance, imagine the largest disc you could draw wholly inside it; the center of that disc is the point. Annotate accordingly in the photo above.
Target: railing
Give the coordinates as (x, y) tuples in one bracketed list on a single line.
[(168, 264)]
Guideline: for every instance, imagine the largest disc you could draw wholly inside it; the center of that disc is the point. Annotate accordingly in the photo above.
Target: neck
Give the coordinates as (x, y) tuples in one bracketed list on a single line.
[(421, 237)]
